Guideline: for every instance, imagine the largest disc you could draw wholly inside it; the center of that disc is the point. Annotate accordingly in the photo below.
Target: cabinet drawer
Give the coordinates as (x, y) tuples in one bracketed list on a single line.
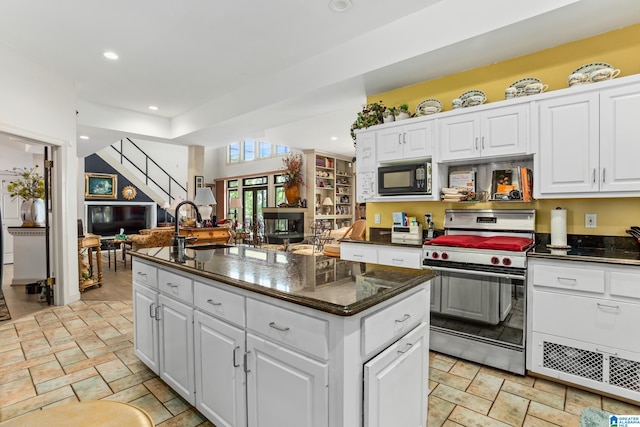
[(223, 304), (359, 252), (625, 285), (175, 285), (599, 321), (399, 257), (388, 324), (297, 330), (575, 279), (144, 274)]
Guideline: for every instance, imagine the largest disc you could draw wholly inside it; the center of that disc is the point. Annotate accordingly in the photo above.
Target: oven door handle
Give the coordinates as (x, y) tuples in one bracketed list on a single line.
[(477, 272)]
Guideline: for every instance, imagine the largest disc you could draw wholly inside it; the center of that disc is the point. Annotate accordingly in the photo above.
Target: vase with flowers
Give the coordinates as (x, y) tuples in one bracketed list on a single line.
[(29, 186), (293, 179)]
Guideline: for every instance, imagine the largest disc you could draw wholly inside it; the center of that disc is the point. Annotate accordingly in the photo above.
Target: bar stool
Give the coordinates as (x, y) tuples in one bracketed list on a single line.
[(98, 413)]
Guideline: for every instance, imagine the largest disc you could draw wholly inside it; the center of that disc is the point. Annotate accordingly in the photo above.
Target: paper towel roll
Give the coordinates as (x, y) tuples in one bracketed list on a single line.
[(559, 227)]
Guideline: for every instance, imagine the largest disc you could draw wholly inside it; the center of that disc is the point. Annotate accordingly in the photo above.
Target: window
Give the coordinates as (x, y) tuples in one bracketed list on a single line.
[(279, 188), (250, 150)]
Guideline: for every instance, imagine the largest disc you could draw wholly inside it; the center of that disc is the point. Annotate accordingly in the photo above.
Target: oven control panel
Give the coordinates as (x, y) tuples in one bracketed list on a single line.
[(457, 255)]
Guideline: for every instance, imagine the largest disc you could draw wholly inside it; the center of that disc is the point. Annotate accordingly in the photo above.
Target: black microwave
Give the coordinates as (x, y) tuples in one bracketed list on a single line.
[(404, 179)]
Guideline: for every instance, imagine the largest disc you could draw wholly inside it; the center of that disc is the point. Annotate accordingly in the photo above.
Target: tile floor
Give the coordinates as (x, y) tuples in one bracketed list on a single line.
[(84, 351)]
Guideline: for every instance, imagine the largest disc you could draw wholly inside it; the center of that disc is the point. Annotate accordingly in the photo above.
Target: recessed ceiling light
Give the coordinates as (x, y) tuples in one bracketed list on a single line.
[(334, 138), (153, 107), (84, 137), (110, 55), (340, 5)]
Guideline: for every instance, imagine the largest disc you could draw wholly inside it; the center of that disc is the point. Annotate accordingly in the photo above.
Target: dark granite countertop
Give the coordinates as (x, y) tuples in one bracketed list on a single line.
[(328, 284), (605, 249)]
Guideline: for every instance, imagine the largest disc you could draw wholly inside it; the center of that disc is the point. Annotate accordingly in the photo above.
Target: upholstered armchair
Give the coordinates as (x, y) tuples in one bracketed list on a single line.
[(357, 231)]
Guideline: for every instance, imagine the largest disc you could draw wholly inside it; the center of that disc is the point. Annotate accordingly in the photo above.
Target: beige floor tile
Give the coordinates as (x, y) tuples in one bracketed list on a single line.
[(553, 415), (530, 421), (89, 362), (131, 380), (462, 398), (8, 332), (45, 317), (91, 388), (107, 332), (127, 355), (469, 418), (69, 356), (153, 407), (107, 349), (26, 364), (11, 356), (551, 387), (450, 423), (16, 391), (177, 405), (129, 394), (465, 369), (534, 394), (577, 400), (619, 408), (449, 379), (160, 389), (509, 408), (35, 402), (67, 379), (524, 380), (486, 386), (439, 411), (113, 370), (46, 371), (120, 338), (90, 343), (55, 333), (14, 375), (442, 362), (190, 418), (74, 324)]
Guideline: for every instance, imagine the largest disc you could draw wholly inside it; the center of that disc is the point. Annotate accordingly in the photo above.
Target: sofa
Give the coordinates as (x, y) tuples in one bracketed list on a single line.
[(152, 238)]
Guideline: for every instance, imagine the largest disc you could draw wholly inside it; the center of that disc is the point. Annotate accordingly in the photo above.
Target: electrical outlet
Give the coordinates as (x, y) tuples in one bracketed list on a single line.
[(428, 217), (377, 218), (590, 220)]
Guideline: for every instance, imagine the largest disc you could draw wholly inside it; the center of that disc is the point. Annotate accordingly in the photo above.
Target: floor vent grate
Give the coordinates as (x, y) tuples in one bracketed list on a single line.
[(624, 373), (575, 361)]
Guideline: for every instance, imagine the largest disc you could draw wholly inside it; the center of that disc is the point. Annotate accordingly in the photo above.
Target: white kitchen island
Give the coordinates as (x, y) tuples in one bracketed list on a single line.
[(251, 339)]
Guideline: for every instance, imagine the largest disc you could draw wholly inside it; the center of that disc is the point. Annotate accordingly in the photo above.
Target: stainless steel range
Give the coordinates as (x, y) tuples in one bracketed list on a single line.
[(478, 308)]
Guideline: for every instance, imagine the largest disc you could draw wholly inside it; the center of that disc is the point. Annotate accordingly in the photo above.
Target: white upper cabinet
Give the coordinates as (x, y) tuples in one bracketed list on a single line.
[(366, 152), (410, 141), (495, 132), (588, 144)]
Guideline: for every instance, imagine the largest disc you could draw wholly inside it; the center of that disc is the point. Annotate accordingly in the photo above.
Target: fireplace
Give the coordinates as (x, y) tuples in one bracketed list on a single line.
[(108, 218)]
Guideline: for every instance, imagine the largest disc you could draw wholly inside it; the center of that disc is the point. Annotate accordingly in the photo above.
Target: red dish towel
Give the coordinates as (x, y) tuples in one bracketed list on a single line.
[(505, 243)]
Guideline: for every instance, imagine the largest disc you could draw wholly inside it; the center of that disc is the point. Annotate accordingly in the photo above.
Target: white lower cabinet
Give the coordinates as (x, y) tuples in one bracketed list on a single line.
[(399, 375), (219, 370), (245, 359), (396, 256), (284, 387), (583, 319)]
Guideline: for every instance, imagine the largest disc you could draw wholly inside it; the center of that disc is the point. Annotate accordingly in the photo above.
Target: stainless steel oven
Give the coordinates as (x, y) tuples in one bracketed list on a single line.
[(478, 308)]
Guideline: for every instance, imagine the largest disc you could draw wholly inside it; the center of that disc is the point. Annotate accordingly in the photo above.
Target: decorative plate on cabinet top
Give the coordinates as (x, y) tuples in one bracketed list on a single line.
[(592, 73), (428, 106), (590, 68), (472, 98), (521, 84)]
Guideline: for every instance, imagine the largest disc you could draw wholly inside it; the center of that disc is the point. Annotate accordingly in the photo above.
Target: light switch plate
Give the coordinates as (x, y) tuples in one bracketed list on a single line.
[(377, 218), (590, 221)]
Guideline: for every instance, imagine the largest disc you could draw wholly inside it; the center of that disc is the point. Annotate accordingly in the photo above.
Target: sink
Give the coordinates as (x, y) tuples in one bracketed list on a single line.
[(209, 246)]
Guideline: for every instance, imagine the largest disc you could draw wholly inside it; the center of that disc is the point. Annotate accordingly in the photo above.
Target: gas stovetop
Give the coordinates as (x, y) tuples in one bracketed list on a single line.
[(499, 238)]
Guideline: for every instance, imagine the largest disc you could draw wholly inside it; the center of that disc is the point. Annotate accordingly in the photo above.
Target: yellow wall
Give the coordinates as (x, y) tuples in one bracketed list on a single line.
[(618, 48)]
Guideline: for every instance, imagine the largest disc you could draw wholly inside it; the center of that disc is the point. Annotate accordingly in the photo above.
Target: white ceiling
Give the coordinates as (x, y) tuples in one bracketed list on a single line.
[(288, 71)]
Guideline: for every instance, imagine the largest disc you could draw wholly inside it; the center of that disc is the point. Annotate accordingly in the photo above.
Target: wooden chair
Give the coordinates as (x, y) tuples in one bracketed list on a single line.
[(357, 231)]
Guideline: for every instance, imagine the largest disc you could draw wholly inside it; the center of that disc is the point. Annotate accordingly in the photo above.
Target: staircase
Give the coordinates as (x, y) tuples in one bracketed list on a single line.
[(130, 161)]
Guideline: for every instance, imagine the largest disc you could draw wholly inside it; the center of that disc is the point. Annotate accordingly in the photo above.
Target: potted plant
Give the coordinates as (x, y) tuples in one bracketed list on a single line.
[(292, 178), (29, 186), (389, 114), (371, 114), (402, 112)]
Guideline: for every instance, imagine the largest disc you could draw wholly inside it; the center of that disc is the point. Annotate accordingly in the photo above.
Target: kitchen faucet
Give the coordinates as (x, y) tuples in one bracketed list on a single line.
[(178, 241)]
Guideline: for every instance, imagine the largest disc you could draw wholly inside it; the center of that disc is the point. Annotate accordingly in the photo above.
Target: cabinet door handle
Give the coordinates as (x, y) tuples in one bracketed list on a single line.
[(482, 146), (152, 312), (172, 285), (573, 280), (604, 171), (404, 137), (246, 362), (476, 143), (404, 318), (279, 328), (399, 139), (140, 273), (158, 309), (594, 176), (358, 255), (406, 348), (235, 364), (397, 261), (613, 307), (212, 302)]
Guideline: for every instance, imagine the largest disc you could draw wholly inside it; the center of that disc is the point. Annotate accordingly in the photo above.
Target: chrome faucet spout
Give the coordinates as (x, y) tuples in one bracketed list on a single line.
[(179, 241)]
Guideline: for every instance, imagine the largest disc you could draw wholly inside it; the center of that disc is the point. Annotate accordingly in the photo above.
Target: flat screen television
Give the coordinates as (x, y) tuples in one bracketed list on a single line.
[(107, 220)]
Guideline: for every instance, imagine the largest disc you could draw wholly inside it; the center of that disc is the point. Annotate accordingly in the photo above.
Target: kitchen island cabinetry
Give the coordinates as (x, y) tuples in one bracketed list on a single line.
[(588, 144), (583, 317), (294, 360), (396, 256)]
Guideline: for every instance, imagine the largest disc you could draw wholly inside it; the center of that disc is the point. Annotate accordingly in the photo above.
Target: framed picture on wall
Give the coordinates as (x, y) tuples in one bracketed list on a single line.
[(100, 186), (199, 181)]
